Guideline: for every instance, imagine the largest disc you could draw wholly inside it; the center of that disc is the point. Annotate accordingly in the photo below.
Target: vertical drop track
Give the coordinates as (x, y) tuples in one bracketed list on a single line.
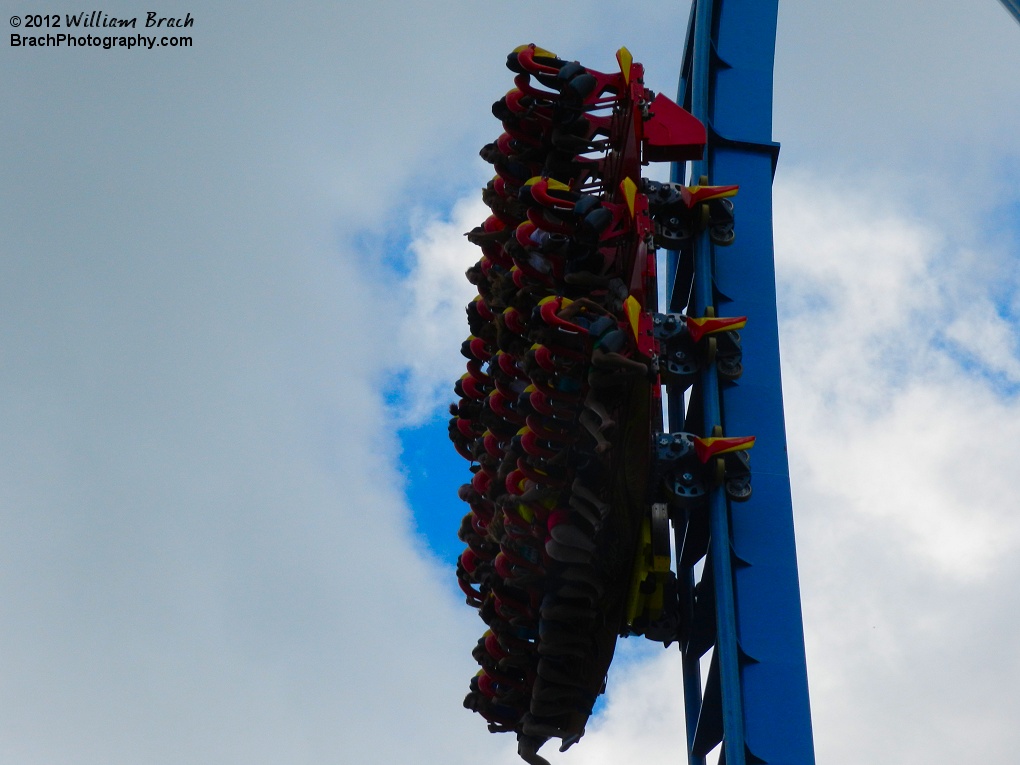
[(745, 605)]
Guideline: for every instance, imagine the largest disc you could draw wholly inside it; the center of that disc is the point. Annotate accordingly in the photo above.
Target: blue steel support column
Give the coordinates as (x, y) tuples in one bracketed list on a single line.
[(676, 420), (1013, 6), (727, 656), (759, 676)]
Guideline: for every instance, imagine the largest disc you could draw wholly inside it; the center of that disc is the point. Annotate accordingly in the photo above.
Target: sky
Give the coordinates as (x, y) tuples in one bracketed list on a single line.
[(231, 301)]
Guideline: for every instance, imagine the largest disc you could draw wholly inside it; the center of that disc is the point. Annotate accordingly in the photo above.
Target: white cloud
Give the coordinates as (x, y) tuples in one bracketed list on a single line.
[(983, 335), (900, 424), (902, 453), (433, 320)]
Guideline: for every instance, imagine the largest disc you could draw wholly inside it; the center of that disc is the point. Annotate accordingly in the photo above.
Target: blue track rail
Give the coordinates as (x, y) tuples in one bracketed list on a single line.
[(1013, 6), (745, 606)]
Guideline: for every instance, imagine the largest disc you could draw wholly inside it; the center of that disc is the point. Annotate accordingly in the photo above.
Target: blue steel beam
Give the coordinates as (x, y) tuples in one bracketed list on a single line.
[(1013, 6), (756, 695), (726, 660)]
